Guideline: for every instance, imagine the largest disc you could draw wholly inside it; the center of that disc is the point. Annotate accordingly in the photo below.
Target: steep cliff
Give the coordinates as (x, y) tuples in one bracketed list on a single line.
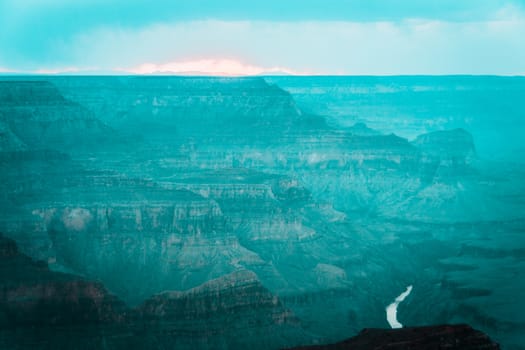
[(175, 107), (230, 312), (43, 309), (36, 113)]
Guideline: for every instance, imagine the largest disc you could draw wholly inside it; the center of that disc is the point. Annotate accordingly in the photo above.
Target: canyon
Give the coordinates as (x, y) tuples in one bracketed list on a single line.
[(209, 212)]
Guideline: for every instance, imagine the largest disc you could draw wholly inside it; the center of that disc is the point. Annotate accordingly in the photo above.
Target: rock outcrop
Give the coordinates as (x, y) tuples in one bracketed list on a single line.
[(460, 337), (44, 309)]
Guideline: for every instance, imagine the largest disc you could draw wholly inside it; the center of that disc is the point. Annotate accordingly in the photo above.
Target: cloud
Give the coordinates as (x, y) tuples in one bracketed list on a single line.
[(493, 45), (408, 47)]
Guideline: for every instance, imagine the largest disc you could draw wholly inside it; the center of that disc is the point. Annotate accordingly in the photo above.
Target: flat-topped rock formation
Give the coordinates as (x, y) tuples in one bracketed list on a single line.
[(172, 108)]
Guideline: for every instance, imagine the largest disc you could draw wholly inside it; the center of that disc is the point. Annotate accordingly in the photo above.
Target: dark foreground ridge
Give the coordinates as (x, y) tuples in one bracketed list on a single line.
[(43, 309), (460, 336)]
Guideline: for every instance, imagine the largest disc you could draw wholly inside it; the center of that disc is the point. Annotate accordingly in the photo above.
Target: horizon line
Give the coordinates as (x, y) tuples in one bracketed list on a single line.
[(16, 74)]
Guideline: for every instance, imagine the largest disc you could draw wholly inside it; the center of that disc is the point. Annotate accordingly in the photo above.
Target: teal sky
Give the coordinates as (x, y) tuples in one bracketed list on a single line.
[(252, 37)]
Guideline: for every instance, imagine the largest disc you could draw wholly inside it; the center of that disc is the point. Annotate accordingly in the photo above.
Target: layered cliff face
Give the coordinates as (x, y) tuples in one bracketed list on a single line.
[(121, 243), (39, 116), (238, 300), (175, 107), (43, 309), (228, 180), (34, 295), (203, 120), (120, 229), (412, 105)]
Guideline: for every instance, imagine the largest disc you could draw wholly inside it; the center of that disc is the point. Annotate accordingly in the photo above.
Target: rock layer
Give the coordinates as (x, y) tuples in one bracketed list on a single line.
[(42, 309)]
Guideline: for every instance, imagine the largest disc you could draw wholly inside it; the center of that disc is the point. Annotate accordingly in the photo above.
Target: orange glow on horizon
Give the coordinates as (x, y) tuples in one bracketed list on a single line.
[(222, 67)]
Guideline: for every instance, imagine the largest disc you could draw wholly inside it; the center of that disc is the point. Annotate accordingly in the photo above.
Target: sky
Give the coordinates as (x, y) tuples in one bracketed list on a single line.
[(240, 37)]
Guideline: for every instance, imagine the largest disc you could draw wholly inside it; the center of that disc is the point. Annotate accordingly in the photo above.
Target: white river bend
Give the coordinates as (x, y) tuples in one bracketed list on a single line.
[(391, 310)]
